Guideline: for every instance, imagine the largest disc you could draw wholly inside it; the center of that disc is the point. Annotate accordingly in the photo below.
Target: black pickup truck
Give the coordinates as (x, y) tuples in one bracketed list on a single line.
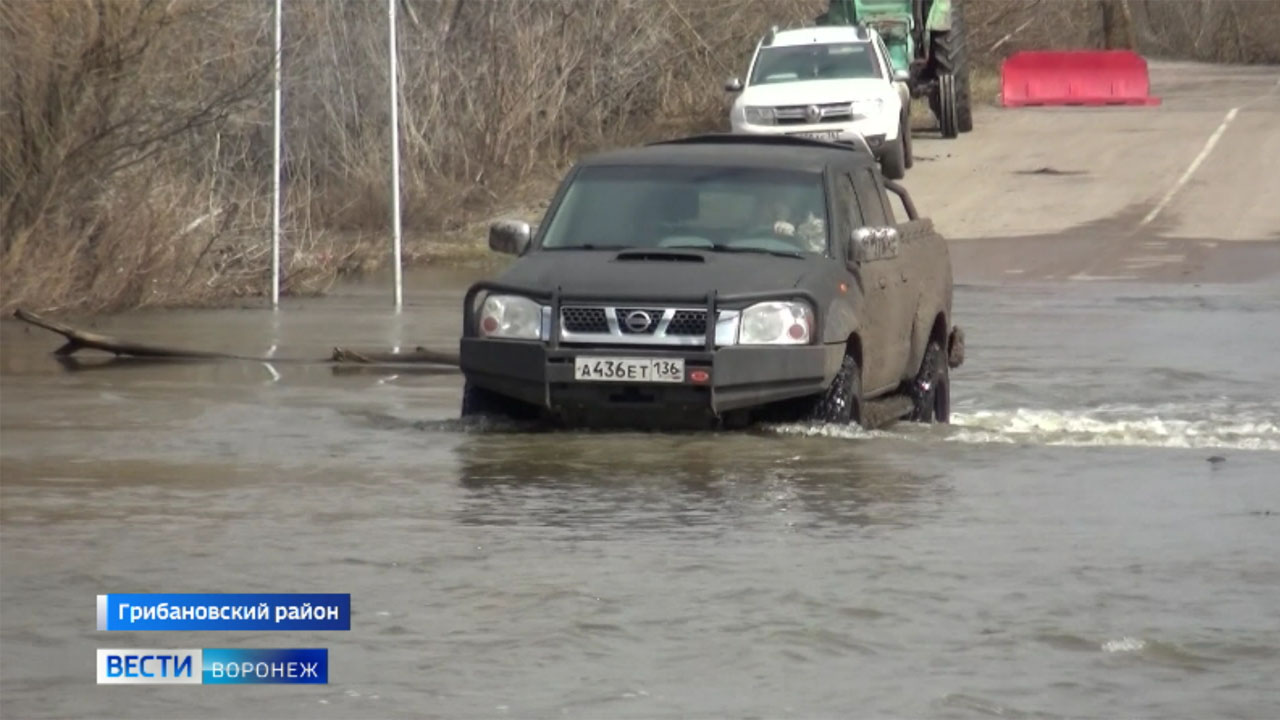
[(716, 281)]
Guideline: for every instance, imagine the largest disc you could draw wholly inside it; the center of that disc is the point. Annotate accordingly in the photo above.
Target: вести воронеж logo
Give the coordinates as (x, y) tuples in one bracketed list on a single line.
[(213, 666)]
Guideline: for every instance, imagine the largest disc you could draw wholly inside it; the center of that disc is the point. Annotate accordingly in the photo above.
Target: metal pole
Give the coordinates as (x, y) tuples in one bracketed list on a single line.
[(275, 167), (395, 149)]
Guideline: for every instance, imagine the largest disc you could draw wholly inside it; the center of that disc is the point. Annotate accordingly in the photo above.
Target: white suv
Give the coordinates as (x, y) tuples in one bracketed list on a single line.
[(832, 83)]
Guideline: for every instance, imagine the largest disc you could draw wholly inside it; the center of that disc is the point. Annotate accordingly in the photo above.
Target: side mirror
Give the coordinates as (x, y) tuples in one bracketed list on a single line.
[(734, 85), (868, 244), (509, 236), (900, 75)]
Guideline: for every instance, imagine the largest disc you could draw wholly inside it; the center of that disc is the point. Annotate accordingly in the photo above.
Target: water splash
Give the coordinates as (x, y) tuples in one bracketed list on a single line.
[(826, 430), (1253, 428), (1124, 644), (1183, 426)]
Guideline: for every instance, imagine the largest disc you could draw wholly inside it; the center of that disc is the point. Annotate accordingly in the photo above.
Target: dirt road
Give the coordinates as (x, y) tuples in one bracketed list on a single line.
[(1160, 192)]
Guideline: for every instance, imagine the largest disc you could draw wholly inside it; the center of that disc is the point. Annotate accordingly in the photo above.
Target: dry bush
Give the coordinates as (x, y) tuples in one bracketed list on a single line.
[(1242, 31), (495, 93), (109, 187), (1234, 31)]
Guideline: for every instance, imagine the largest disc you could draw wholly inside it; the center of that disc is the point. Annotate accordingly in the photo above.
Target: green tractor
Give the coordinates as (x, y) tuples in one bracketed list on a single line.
[(927, 38)]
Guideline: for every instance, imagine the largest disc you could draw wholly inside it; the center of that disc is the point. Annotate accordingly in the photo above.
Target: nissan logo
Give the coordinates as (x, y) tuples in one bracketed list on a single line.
[(812, 114), (637, 321)]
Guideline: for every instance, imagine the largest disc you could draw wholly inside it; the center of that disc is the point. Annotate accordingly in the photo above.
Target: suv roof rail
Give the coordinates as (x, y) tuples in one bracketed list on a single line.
[(726, 138)]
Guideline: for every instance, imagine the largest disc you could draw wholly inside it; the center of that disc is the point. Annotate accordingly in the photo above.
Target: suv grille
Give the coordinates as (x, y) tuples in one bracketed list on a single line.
[(636, 325), (799, 114), (688, 322), (584, 320)]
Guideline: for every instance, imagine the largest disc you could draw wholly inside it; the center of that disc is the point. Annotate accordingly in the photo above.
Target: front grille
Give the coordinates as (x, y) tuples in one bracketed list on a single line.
[(584, 320), (607, 325), (688, 322), (629, 320), (799, 114)]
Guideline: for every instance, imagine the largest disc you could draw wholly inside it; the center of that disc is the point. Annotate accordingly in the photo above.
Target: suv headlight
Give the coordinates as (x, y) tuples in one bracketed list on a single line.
[(776, 323), (758, 115), (510, 316), (866, 108)]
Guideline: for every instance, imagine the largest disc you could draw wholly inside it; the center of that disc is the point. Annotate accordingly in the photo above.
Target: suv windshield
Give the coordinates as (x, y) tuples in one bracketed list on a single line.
[(831, 61), (671, 206)]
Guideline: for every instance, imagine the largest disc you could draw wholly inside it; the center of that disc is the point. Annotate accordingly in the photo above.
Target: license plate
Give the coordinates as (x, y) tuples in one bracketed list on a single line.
[(622, 369), (828, 135)]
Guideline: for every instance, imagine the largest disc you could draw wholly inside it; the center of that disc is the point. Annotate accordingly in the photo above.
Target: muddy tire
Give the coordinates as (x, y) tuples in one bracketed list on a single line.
[(893, 161), (931, 389), (842, 403)]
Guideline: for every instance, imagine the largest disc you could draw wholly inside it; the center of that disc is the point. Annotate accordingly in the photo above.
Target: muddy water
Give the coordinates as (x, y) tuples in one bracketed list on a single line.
[(1065, 549)]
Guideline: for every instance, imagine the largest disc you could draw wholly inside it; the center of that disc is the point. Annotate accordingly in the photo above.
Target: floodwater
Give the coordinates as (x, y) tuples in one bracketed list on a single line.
[(1065, 549)]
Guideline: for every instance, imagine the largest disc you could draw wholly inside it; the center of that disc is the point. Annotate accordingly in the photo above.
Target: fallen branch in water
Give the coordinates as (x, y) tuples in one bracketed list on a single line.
[(373, 357), (78, 340)]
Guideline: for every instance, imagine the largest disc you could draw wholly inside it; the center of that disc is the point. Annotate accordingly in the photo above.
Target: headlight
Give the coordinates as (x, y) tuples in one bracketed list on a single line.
[(760, 115), (866, 108), (776, 323), (511, 316)]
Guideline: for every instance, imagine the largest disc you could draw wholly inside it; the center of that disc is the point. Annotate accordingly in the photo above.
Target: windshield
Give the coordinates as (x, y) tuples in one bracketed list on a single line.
[(832, 61), (719, 208)]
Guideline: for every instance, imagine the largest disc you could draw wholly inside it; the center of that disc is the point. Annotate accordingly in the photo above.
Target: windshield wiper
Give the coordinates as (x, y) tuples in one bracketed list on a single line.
[(721, 247), (590, 246)]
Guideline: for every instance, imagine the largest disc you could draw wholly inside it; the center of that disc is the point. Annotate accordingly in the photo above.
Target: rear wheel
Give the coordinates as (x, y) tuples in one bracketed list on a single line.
[(931, 389), (950, 57), (842, 403)]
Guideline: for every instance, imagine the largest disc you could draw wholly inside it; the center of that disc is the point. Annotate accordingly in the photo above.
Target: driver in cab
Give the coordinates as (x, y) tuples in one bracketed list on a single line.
[(804, 227)]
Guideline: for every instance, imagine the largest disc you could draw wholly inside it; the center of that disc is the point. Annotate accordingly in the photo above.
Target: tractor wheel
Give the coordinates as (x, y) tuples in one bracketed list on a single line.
[(909, 158), (948, 122), (950, 57)]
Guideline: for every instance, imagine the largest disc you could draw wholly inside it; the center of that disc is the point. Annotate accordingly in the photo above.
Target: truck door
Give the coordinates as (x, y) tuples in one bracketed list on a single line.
[(887, 322)]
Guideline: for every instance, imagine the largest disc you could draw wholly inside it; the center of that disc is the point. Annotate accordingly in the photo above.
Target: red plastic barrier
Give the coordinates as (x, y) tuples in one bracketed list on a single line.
[(1075, 77)]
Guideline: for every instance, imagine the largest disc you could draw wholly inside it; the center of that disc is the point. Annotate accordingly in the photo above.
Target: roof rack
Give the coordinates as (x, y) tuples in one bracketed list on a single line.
[(727, 138)]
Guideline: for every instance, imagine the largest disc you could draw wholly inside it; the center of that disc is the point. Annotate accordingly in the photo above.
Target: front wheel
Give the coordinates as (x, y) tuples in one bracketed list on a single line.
[(842, 403), (948, 118), (931, 389), (893, 162)]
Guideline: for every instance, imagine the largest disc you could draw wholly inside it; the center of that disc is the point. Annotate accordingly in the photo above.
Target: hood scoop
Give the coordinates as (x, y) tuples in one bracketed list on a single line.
[(659, 256)]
